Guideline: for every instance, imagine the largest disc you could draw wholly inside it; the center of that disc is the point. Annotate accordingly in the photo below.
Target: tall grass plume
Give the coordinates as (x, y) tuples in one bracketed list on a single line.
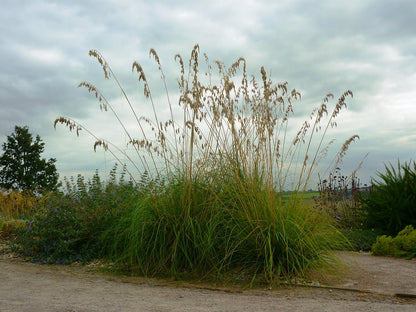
[(212, 200)]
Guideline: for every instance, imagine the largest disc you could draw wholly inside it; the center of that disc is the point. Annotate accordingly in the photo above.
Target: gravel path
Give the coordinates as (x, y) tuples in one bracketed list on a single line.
[(32, 287)]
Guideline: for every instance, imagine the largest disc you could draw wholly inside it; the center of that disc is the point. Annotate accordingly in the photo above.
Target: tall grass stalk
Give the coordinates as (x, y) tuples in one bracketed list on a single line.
[(218, 203)]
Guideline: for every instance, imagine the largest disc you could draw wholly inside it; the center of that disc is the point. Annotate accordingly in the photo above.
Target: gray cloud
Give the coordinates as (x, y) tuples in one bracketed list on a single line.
[(318, 47)]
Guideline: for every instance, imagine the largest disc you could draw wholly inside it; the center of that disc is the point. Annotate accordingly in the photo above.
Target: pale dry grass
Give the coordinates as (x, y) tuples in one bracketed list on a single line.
[(16, 203), (226, 114)]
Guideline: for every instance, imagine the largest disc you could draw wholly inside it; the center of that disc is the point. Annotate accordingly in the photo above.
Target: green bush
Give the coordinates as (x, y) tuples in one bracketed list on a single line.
[(384, 246), (70, 228), (360, 239), (392, 203), (402, 246), (406, 239), (55, 237)]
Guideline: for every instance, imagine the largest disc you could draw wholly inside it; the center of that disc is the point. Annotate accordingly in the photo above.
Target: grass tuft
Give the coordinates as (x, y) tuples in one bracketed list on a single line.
[(211, 184)]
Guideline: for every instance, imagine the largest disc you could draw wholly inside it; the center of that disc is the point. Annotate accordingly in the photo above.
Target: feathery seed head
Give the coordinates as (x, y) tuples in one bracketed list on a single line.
[(136, 66), (102, 144), (102, 61), (154, 54)]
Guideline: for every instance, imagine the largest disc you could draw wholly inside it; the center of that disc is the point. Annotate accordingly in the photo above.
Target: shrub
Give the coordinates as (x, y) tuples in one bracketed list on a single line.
[(392, 203), (9, 227), (403, 245), (384, 246), (406, 239), (360, 239), (70, 228), (55, 237)]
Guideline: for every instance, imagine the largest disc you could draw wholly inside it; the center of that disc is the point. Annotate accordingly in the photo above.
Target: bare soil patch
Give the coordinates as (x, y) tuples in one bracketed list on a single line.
[(367, 284), (385, 275)]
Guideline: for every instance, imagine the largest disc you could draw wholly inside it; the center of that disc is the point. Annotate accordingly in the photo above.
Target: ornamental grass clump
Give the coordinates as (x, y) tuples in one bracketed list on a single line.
[(392, 203), (212, 182)]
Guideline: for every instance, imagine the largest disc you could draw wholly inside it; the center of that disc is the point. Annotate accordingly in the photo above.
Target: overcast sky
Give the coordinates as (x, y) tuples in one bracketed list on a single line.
[(319, 47)]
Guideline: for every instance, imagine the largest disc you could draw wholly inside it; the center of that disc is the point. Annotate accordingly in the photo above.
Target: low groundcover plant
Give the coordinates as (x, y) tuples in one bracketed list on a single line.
[(401, 246)]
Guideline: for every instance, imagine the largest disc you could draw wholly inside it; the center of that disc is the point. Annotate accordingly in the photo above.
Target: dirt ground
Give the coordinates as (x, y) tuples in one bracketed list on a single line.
[(368, 284)]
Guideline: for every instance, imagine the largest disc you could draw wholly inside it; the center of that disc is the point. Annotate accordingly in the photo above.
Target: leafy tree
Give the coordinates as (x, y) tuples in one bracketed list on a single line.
[(21, 165)]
